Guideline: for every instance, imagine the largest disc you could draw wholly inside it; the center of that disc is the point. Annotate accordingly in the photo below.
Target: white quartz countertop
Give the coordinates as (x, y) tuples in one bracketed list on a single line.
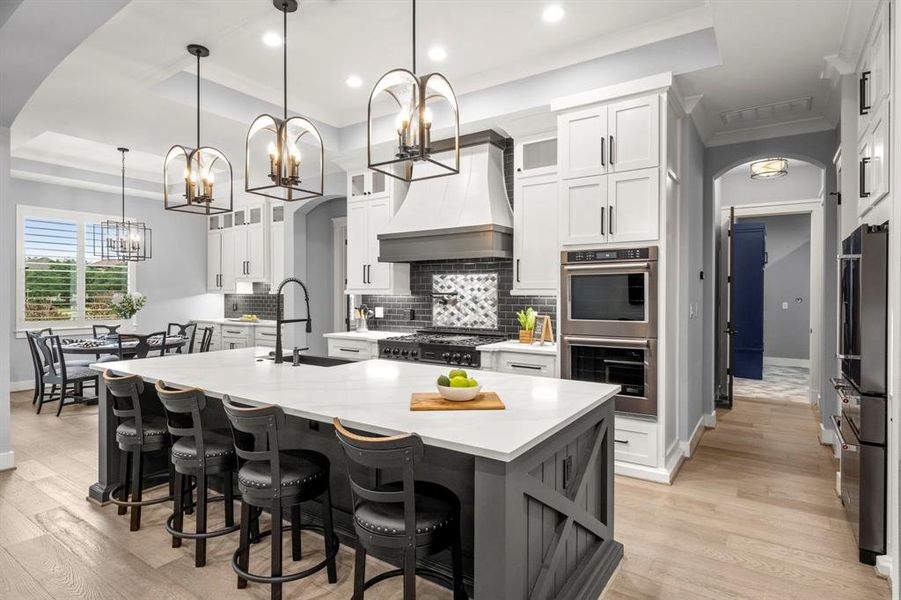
[(514, 346), (374, 396), (235, 321), (370, 336)]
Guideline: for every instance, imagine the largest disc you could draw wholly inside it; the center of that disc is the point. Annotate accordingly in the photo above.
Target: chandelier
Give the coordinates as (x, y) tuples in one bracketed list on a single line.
[(417, 102), (123, 240), (190, 174), (769, 168), (274, 166)]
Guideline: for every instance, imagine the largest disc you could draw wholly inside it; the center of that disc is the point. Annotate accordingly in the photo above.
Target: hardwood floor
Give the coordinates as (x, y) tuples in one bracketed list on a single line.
[(751, 515)]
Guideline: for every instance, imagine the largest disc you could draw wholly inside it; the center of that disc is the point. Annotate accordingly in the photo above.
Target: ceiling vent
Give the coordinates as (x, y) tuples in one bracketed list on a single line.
[(784, 110)]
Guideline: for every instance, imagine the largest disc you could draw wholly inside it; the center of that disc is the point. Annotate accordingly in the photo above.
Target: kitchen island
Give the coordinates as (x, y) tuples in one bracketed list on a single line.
[(535, 480)]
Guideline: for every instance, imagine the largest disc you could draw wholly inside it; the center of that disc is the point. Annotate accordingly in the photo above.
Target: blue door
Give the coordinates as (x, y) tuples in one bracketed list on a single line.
[(748, 260)]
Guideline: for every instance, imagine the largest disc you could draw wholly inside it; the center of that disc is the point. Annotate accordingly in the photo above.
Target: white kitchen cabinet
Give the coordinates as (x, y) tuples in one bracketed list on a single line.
[(236, 336), (609, 138), (633, 206), (213, 260), (535, 156), (872, 156), (873, 70), (250, 243), (367, 216), (221, 253), (215, 340), (535, 236), (536, 365), (367, 184), (583, 210), (264, 336), (635, 441), (237, 248), (634, 134), (277, 246), (620, 207), (353, 349)]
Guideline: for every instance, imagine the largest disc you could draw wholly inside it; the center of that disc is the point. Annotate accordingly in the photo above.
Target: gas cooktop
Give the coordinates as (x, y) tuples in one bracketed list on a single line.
[(438, 346)]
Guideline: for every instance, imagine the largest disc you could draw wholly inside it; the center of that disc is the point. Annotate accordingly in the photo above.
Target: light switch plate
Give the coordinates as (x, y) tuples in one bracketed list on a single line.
[(379, 312), (785, 306)]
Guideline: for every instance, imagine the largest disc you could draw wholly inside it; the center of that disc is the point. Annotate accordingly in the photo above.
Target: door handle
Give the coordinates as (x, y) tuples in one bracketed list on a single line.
[(603, 153), (862, 96), (368, 273), (603, 208), (364, 273), (611, 151), (610, 223), (863, 177)]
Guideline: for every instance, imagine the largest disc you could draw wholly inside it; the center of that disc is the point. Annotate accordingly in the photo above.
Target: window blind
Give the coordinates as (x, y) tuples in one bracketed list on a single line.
[(51, 278)]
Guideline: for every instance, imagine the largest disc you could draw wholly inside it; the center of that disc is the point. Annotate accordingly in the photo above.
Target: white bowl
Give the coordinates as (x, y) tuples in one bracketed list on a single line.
[(459, 394)]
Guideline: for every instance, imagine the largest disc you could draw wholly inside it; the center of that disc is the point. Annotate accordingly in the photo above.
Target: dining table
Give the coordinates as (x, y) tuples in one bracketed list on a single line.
[(110, 345)]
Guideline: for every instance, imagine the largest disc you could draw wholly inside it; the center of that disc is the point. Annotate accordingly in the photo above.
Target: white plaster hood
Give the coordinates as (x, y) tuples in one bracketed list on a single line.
[(466, 215)]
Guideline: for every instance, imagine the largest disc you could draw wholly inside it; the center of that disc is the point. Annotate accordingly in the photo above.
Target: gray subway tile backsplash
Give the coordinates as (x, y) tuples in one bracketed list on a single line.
[(262, 305)]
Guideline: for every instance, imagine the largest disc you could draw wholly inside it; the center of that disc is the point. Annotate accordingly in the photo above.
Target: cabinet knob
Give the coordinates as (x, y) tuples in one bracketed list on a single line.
[(519, 169)]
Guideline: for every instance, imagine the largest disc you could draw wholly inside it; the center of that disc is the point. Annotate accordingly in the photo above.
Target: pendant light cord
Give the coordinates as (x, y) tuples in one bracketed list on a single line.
[(414, 37), (123, 185), (198, 106), (285, 59)]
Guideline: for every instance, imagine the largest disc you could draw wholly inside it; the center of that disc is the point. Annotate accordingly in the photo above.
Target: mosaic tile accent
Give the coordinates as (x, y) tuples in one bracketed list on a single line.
[(473, 305)]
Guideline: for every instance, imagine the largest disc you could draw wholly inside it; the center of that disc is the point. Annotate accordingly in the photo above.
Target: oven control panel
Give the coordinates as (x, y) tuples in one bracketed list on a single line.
[(577, 256)]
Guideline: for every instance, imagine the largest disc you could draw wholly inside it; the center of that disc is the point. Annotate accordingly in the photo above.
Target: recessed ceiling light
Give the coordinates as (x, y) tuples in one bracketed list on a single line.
[(272, 39), (437, 53), (353, 81), (553, 13)]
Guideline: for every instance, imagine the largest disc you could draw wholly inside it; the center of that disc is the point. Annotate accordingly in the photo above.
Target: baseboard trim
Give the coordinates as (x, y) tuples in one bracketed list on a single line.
[(827, 435), (652, 474), (710, 420), (21, 386), (884, 566), (776, 361), (688, 447), (7, 460)]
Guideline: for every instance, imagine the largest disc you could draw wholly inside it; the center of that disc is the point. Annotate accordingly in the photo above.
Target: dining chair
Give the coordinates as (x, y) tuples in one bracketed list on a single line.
[(206, 338), (61, 375), (105, 330), (187, 331), (143, 348), (37, 362)]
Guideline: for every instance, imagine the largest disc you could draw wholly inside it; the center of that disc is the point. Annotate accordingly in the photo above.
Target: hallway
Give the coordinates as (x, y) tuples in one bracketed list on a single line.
[(778, 383), (752, 515)]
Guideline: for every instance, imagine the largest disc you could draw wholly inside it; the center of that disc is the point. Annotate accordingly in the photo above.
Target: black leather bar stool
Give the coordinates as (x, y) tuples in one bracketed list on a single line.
[(197, 453), (136, 434), (277, 479), (406, 519)]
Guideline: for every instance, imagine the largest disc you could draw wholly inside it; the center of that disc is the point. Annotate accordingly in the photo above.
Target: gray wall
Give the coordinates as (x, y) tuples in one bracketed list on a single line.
[(786, 332), (174, 280), (320, 270), (803, 182), (691, 287)]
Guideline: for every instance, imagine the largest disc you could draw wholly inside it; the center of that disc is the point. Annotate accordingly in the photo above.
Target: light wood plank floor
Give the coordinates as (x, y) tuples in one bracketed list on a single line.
[(752, 515)]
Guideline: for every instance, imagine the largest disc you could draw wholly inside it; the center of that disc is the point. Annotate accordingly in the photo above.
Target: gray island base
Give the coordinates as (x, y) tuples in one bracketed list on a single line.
[(535, 480)]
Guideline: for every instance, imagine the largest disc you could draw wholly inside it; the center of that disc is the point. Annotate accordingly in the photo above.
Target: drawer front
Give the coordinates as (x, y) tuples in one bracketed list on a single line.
[(234, 332), (635, 443), (350, 349), (264, 336), (527, 364)]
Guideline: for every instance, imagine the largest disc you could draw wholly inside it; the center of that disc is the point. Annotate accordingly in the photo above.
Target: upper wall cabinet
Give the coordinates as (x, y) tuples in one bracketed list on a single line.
[(251, 249), (611, 138), (536, 257), (237, 247), (535, 155), (276, 245), (872, 157), (873, 69), (367, 184)]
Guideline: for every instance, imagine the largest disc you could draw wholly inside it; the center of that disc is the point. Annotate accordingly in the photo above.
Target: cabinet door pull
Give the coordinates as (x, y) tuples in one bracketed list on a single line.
[(863, 101), (364, 273), (523, 366), (354, 350), (612, 154), (603, 152), (517, 270), (620, 441), (610, 220), (603, 208), (863, 177)]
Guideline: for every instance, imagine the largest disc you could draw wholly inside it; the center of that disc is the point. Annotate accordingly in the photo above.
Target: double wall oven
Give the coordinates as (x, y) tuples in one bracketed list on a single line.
[(608, 322), (861, 424)]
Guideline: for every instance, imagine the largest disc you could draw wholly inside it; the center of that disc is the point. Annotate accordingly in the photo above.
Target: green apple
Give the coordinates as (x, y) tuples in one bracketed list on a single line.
[(472, 382), (459, 382), (444, 380), (457, 373)]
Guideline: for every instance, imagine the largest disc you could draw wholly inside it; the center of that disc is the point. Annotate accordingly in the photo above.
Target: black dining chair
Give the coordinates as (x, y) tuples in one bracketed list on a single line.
[(405, 519), (38, 363), (272, 478), (197, 452), (143, 346), (206, 338), (100, 330), (60, 375), (186, 331), (137, 433)]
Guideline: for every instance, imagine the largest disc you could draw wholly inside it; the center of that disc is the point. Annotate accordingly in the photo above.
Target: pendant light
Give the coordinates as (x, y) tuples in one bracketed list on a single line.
[(769, 168), (190, 175), (417, 102), (275, 166), (123, 240)]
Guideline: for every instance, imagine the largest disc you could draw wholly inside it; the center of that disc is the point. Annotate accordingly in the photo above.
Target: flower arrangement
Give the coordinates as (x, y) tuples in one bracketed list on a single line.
[(127, 305), (526, 320)]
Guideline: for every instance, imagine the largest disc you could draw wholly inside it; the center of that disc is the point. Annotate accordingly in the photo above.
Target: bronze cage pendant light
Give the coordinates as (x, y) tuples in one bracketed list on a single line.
[(417, 102), (190, 174), (274, 165), (124, 240)]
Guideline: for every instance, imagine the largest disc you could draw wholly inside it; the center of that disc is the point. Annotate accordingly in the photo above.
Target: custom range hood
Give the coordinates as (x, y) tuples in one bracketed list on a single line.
[(459, 216)]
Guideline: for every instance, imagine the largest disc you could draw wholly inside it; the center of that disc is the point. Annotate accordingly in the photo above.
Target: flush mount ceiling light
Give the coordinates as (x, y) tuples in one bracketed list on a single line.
[(274, 165), (123, 240), (416, 101), (553, 13), (769, 168), (189, 174)]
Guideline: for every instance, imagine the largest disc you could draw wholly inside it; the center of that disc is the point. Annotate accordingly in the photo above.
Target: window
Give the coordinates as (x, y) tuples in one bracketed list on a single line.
[(60, 280)]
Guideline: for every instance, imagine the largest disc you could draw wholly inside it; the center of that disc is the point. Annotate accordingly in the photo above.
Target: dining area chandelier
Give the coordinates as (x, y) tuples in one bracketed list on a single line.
[(123, 240)]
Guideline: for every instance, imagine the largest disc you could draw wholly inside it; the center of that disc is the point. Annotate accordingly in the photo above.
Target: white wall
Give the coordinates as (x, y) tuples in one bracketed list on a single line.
[(174, 280)]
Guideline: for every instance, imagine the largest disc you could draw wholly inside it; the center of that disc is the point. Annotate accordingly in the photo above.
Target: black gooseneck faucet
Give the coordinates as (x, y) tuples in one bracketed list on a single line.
[(279, 321)]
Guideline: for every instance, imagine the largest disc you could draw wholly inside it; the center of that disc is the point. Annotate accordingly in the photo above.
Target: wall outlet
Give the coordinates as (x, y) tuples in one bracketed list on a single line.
[(785, 306), (379, 312)]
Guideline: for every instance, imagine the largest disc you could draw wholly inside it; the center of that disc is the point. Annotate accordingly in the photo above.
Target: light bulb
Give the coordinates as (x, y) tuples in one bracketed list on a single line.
[(427, 117), (273, 151), (294, 153), (403, 121), (208, 177)]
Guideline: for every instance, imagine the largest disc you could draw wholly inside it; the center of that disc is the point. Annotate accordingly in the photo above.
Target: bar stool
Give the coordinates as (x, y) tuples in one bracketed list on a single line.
[(197, 453), (136, 434), (277, 479), (406, 519)]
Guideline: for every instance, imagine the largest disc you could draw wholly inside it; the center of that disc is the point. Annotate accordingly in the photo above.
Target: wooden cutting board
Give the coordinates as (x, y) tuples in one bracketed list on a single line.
[(434, 401)]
